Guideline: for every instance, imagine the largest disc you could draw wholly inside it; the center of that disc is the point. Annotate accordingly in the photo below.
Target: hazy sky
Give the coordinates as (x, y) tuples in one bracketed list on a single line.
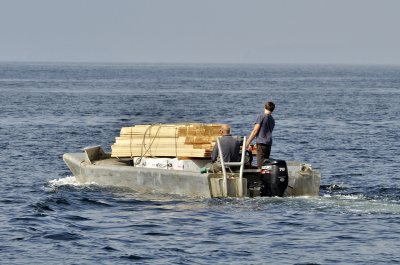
[(221, 31)]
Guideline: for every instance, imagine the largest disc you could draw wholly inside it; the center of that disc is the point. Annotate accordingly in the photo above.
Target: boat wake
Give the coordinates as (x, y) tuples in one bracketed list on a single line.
[(362, 200), (360, 204), (70, 180), (333, 198)]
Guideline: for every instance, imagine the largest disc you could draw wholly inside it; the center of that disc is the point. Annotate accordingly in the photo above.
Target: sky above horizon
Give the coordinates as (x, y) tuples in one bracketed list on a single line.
[(203, 31)]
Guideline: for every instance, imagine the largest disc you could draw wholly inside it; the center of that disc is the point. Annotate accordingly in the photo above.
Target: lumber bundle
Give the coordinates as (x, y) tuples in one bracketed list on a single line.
[(166, 140)]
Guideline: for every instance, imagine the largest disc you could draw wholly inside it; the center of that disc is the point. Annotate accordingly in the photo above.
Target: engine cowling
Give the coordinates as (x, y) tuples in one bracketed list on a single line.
[(274, 178)]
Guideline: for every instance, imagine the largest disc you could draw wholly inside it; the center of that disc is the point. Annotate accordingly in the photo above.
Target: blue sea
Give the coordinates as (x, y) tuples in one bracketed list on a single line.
[(342, 119)]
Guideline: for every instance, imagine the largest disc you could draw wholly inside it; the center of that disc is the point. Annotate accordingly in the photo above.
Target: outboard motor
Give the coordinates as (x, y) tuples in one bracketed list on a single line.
[(274, 178)]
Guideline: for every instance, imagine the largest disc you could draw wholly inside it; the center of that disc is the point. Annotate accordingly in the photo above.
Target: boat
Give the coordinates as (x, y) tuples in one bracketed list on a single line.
[(190, 177)]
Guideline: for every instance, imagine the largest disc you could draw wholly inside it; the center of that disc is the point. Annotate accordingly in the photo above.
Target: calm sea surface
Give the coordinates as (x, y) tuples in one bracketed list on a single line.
[(344, 120)]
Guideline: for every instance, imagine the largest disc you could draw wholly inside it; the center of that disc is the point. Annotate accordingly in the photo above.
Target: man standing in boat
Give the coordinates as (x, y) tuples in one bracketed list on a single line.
[(262, 131), (230, 148)]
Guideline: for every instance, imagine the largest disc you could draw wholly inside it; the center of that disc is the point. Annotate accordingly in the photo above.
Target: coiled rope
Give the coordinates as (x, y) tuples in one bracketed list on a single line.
[(146, 149)]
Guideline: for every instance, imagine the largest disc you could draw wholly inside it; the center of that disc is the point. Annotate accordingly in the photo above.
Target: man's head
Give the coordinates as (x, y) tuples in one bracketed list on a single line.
[(225, 129), (270, 106)]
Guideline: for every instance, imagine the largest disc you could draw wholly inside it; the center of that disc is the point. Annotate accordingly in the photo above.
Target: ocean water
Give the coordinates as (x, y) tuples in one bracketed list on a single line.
[(344, 120)]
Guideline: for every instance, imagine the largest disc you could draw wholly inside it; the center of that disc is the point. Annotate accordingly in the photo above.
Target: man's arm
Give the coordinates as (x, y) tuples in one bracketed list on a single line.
[(253, 134)]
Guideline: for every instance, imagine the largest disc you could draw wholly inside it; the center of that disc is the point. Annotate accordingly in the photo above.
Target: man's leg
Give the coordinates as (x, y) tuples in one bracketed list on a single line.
[(263, 152)]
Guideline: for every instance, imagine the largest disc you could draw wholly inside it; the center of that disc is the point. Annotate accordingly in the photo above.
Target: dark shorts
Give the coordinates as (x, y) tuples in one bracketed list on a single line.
[(263, 152)]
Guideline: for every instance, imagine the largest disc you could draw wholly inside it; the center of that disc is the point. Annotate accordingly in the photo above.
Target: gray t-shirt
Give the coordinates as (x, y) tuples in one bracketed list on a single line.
[(230, 149), (267, 124)]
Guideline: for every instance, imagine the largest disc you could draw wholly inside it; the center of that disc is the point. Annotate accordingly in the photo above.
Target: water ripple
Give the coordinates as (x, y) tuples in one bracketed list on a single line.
[(341, 119)]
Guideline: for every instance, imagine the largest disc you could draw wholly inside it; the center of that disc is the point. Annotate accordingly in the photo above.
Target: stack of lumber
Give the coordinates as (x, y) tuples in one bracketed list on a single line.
[(166, 140)]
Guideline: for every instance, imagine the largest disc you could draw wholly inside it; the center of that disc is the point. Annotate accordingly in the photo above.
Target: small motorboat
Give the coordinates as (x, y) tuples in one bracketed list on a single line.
[(190, 177)]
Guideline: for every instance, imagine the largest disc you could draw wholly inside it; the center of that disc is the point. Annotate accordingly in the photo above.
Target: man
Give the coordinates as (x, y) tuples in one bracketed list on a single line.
[(230, 148), (262, 131)]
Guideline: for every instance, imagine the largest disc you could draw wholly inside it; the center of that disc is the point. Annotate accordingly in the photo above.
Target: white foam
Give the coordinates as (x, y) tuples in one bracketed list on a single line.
[(68, 181), (71, 180), (360, 204)]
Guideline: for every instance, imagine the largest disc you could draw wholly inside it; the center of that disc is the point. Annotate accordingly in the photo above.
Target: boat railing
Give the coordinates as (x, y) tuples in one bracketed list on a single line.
[(227, 164)]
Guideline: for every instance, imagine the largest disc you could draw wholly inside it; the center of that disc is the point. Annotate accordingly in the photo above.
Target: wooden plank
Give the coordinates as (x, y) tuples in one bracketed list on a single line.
[(185, 140), (165, 144), (169, 147), (153, 131), (164, 154), (161, 140), (160, 147), (147, 141)]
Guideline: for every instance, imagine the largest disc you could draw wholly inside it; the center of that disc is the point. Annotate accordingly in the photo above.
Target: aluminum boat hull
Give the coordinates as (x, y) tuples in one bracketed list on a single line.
[(95, 166)]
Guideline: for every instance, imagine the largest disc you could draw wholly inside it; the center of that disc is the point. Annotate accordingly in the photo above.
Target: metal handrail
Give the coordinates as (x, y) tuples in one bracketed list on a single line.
[(223, 164)]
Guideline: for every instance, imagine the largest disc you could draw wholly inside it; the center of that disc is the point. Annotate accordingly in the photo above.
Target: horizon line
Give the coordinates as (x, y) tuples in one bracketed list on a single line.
[(198, 63)]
